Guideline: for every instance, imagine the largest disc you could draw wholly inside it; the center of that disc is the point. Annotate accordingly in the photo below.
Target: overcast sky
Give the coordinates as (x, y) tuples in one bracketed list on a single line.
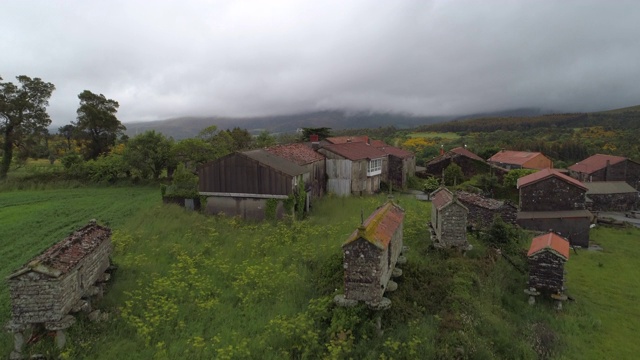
[(162, 59)]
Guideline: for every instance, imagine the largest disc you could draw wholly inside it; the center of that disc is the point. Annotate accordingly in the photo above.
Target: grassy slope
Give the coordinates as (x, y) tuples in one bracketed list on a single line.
[(197, 286)]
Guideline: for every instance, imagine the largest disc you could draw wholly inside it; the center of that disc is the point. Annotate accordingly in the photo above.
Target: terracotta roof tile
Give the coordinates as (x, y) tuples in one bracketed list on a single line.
[(66, 254), (299, 153), (513, 157), (347, 139), (550, 242), (276, 162), (356, 151), (546, 173), (392, 150), (595, 163), (464, 152), (380, 226)]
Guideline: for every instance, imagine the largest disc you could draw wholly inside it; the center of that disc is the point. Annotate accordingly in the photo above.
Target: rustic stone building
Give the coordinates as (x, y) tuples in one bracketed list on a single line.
[(305, 156), (57, 282), (470, 163), (601, 167), (509, 159), (371, 254), (482, 210), (546, 257), (611, 196), (448, 220), (552, 201)]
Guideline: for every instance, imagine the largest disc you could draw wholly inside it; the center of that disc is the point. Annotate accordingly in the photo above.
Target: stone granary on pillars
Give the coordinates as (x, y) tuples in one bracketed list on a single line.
[(600, 167), (61, 280), (546, 257), (448, 220), (371, 254), (482, 210), (552, 201)]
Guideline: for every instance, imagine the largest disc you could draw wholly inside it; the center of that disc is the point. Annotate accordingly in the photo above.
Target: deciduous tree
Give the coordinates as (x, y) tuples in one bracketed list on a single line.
[(23, 114), (148, 153)]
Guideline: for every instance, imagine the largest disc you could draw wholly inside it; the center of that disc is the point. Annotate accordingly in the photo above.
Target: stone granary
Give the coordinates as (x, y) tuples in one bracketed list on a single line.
[(58, 282), (546, 257), (482, 210), (371, 254), (448, 220)]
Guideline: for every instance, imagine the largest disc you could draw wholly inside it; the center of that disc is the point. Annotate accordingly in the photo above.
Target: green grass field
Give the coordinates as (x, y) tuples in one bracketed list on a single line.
[(194, 286)]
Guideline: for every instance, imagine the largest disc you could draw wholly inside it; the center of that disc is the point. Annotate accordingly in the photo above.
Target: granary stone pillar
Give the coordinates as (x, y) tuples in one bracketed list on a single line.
[(18, 331), (59, 327), (532, 292)]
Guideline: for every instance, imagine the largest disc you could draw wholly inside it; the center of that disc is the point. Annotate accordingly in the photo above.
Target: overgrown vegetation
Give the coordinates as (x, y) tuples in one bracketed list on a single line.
[(194, 286)]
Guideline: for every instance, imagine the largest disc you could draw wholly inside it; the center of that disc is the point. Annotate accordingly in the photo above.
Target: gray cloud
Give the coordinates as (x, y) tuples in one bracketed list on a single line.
[(243, 58)]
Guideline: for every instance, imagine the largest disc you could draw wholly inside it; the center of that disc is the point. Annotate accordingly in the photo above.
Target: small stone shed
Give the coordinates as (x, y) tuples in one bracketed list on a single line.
[(546, 257), (54, 283), (482, 209), (371, 254), (611, 196), (448, 220)]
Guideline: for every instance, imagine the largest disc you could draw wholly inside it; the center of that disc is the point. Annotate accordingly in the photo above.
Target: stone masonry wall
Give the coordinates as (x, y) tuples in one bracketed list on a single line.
[(551, 194), (453, 220), (613, 202), (362, 262), (546, 272)]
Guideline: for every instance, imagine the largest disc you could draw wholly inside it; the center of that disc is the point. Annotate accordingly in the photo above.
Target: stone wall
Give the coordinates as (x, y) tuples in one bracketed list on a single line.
[(551, 194), (452, 229), (546, 272), (613, 202), (576, 230), (363, 271)]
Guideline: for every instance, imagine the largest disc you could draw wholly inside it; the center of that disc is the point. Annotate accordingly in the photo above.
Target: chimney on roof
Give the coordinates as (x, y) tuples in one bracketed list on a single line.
[(442, 149), (315, 141), (349, 139), (366, 139)]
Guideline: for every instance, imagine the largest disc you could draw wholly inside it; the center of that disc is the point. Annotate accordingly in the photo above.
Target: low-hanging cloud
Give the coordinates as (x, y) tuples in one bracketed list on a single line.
[(165, 59)]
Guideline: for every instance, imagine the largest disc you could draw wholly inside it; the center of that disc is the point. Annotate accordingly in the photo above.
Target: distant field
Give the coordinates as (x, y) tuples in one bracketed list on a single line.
[(431, 135), (617, 111), (202, 287)]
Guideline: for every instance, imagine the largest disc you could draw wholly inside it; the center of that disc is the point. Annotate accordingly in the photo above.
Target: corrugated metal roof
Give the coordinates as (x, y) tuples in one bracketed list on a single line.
[(276, 162), (464, 152), (60, 258), (595, 163), (547, 173), (380, 226), (299, 153), (514, 157), (566, 214), (356, 151), (550, 242), (609, 187)]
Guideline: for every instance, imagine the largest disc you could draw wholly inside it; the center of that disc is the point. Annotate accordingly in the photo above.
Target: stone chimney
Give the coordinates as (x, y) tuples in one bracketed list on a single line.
[(315, 141)]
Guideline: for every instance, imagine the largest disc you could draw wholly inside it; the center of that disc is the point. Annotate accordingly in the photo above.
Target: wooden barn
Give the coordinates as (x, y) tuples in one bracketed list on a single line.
[(371, 254), (53, 284), (354, 168), (242, 183), (448, 220), (546, 257), (550, 200), (601, 167), (470, 163), (611, 196), (509, 160), (482, 209)]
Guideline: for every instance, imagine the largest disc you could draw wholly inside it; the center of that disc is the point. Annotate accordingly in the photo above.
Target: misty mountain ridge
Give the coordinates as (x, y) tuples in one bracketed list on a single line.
[(190, 126)]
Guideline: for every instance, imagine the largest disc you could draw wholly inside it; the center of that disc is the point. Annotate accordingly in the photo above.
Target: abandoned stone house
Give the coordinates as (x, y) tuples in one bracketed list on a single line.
[(509, 160), (354, 168), (601, 167), (552, 201), (304, 155), (242, 183), (371, 253), (448, 220), (611, 196), (55, 283), (546, 257), (470, 163), (482, 210)]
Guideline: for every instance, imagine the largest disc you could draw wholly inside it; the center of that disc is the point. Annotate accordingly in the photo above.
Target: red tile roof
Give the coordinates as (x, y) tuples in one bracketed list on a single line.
[(441, 197), (297, 152), (513, 157), (464, 152), (546, 173), (392, 150), (550, 242), (356, 151), (380, 226), (66, 254), (595, 162)]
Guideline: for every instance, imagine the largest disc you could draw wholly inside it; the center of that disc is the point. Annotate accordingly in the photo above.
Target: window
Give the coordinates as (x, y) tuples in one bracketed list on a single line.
[(374, 167)]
